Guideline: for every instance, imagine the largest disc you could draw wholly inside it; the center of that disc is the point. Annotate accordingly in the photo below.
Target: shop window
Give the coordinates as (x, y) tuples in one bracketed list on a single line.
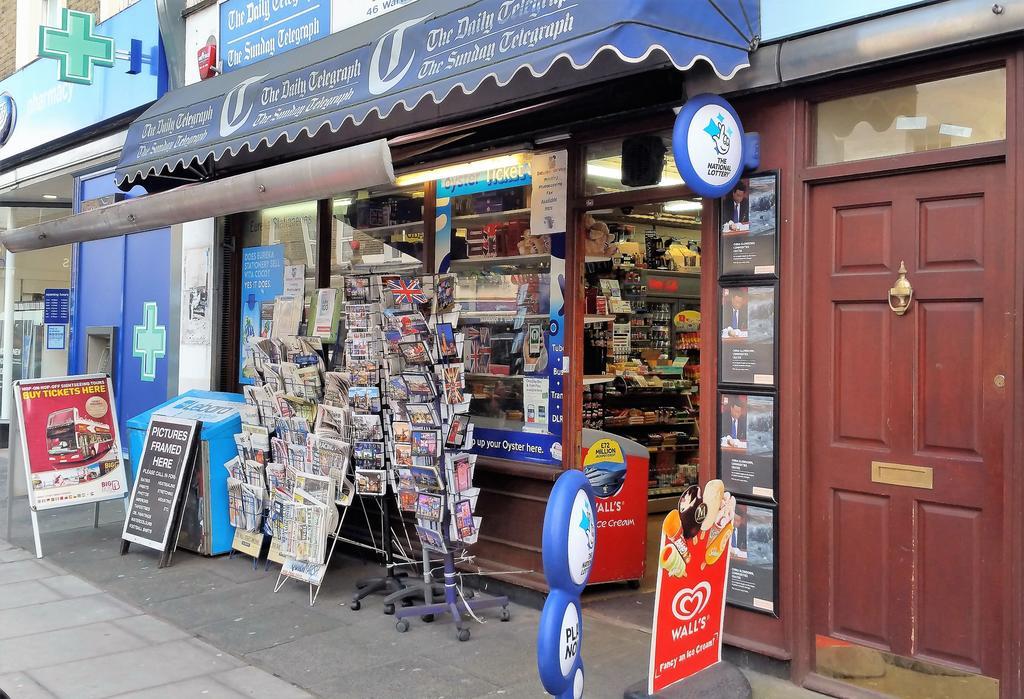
[(956, 111), (380, 227), (294, 227), (638, 162)]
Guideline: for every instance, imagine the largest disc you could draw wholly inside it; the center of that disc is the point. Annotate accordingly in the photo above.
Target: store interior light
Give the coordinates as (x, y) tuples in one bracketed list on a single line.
[(461, 169), (49, 196), (606, 172), (676, 207)]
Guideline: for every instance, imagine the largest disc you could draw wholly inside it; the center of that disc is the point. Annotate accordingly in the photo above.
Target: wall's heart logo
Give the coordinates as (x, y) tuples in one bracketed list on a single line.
[(689, 602)]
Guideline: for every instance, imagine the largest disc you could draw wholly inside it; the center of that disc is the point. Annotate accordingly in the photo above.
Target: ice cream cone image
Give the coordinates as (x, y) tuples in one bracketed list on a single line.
[(672, 562), (721, 530), (672, 528)]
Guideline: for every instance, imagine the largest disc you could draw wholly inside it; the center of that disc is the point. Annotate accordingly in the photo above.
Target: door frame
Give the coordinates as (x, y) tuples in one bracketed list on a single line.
[(794, 300)]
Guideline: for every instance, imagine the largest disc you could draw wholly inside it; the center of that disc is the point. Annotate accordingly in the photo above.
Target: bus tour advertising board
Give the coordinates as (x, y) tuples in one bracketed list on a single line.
[(70, 443)]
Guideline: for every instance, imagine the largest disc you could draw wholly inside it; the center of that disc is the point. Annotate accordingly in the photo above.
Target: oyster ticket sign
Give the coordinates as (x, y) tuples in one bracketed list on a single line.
[(692, 572)]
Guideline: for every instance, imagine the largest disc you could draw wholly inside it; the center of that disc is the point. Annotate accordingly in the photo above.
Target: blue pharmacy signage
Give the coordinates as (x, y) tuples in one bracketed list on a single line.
[(423, 50), (38, 109), (251, 30), (711, 151), (568, 546)]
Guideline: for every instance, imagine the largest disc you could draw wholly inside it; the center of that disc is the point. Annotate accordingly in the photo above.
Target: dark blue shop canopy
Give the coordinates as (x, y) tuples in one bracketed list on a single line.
[(425, 50)]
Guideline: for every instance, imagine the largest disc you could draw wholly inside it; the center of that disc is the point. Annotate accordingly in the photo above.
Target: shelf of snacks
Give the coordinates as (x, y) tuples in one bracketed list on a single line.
[(592, 379)]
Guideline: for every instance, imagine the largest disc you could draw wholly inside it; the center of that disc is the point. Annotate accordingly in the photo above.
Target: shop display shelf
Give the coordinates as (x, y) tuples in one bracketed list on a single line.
[(414, 225), (686, 446), (593, 319), (500, 316), (649, 425), (592, 379), (538, 262), (489, 217), (661, 491), (493, 376)]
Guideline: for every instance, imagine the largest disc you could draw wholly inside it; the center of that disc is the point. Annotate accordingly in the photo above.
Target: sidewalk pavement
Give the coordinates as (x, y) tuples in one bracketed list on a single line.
[(85, 621), (62, 637)]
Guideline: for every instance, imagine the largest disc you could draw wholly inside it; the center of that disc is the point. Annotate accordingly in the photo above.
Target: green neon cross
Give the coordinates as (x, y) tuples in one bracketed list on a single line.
[(149, 341), (76, 47)]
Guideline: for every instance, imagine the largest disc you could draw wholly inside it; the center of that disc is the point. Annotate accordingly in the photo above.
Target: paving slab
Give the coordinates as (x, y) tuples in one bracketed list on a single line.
[(11, 555), (250, 682), (18, 685), (132, 671), (16, 571), (25, 593), (22, 621), (70, 586), (204, 687), (63, 645), (150, 629)]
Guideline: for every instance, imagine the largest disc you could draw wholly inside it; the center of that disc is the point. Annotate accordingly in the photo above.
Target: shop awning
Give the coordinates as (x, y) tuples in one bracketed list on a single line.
[(427, 49), (316, 177)]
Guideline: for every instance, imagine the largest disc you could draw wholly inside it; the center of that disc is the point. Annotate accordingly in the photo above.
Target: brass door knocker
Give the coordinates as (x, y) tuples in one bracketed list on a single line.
[(901, 294)]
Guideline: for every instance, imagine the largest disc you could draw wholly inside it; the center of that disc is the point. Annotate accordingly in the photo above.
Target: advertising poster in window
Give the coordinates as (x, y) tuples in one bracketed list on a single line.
[(262, 282), (746, 444), (70, 441), (749, 222), (747, 335), (752, 559)]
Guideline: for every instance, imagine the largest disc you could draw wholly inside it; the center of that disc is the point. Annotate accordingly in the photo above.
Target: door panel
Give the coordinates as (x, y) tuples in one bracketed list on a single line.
[(910, 570)]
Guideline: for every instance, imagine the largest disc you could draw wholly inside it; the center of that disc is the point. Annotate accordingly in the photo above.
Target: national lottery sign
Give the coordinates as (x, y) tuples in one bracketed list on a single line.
[(693, 567), (70, 441)]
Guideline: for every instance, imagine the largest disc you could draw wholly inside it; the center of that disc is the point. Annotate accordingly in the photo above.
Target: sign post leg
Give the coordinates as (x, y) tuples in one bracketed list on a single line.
[(96, 517), (35, 534)]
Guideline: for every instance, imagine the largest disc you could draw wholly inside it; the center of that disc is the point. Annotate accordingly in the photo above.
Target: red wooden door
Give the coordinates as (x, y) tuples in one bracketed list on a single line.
[(915, 571)]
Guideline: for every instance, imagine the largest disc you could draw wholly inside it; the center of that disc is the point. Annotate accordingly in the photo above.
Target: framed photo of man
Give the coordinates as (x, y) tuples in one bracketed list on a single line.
[(748, 227), (753, 575), (746, 443), (746, 336)]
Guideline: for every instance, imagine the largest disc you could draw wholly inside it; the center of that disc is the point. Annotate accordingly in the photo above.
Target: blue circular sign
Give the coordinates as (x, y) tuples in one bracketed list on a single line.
[(570, 533), (8, 117), (708, 145), (569, 542)]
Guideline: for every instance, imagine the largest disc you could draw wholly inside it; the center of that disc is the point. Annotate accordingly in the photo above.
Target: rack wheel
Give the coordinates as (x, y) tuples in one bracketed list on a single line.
[(427, 618), (402, 625), (506, 615), (463, 634), (389, 609), (355, 606)]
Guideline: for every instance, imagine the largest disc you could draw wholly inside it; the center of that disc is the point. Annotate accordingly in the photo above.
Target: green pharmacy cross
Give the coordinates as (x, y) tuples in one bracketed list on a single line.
[(149, 341), (76, 47)]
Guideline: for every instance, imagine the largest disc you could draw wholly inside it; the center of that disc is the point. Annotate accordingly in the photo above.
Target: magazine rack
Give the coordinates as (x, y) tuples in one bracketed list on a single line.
[(452, 600)]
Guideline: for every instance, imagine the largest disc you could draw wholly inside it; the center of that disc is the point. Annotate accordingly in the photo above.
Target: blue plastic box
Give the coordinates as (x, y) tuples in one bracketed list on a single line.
[(206, 527)]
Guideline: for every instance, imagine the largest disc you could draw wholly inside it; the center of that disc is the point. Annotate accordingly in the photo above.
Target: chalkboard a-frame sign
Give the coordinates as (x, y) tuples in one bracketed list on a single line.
[(161, 484)]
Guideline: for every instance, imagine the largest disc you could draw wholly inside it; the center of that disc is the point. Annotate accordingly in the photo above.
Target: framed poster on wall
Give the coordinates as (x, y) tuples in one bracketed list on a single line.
[(746, 332), (748, 227), (752, 572), (746, 443)]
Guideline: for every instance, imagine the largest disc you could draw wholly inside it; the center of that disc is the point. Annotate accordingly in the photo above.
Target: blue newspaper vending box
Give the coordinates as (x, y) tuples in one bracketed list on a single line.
[(206, 527)]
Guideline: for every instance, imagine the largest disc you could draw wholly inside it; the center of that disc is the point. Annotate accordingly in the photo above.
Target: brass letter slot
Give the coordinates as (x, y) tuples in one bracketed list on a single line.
[(901, 474)]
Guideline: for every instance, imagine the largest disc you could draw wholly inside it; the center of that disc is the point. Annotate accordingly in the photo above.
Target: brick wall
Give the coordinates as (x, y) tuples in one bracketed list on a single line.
[(90, 6), (8, 31)]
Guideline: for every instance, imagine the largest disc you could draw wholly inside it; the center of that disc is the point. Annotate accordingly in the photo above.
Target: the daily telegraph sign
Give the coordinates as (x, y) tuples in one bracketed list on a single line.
[(417, 52), (251, 30)]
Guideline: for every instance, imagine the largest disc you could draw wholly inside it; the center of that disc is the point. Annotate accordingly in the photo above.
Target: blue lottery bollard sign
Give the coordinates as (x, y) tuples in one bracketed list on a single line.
[(570, 537), (711, 151)]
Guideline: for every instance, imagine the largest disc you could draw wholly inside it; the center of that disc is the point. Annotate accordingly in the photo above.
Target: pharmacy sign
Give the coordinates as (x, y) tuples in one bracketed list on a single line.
[(76, 47)]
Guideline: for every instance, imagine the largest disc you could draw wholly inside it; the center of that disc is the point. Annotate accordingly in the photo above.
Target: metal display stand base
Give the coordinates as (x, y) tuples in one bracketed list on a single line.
[(451, 605), (427, 589), (723, 681), (391, 584)]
